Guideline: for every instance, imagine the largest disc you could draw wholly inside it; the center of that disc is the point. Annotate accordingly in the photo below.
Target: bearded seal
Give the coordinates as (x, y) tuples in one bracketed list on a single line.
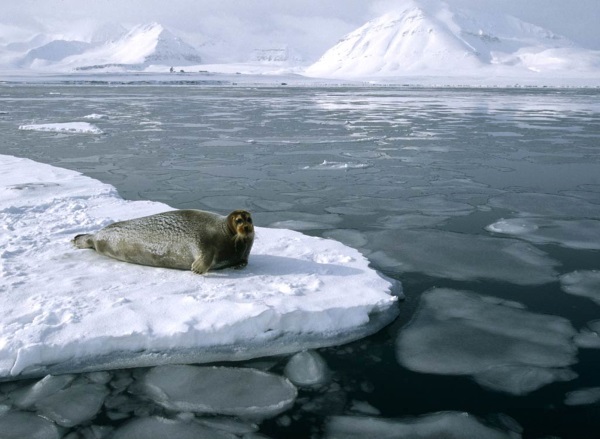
[(180, 239)]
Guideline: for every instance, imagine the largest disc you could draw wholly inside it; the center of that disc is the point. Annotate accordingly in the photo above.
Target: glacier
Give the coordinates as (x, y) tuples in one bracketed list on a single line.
[(64, 310)]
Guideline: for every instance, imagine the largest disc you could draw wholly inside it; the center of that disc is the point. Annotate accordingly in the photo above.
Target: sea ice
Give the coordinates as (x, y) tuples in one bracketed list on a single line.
[(447, 425), (67, 127), (587, 396), (74, 310), (21, 425), (578, 234), (307, 369), (241, 392), (503, 347), (161, 428), (546, 205), (462, 257), (50, 384), (73, 405), (584, 283)]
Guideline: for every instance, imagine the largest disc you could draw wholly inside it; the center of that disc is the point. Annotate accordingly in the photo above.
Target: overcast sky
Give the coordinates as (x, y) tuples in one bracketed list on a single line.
[(309, 26)]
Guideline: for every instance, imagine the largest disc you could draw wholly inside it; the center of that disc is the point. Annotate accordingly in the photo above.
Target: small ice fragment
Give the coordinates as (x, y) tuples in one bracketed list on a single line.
[(587, 396), (21, 425), (161, 428), (223, 390), (512, 226), (520, 380), (74, 405), (307, 369), (68, 127), (364, 408), (47, 386)]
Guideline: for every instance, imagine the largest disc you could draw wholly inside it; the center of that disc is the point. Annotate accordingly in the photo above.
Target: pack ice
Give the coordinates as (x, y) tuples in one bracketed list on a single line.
[(66, 310)]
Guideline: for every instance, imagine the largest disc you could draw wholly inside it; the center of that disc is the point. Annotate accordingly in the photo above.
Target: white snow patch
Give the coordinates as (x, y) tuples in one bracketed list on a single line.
[(64, 309), (66, 127)]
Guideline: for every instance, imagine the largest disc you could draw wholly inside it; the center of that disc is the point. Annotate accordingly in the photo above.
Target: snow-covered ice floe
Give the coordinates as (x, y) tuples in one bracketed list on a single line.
[(65, 310), (66, 127)]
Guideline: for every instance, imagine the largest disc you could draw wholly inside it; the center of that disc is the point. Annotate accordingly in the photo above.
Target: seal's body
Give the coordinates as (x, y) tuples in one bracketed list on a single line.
[(180, 239)]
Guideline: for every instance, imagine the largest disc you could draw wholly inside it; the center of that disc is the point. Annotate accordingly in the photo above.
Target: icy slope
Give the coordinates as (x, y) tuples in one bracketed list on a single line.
[(63, 309), (433, 38), (142, 46)]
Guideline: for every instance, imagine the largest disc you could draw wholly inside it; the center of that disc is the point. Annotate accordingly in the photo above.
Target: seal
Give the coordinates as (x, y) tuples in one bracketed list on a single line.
[(181, 239)]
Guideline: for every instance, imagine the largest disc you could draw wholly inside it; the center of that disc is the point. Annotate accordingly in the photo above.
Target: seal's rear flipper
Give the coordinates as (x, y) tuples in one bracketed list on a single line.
[(84, 241)]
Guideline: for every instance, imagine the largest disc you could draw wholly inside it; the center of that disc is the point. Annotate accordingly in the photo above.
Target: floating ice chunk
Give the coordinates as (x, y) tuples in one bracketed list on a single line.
[(221, 390), (307, 369), (333, 166), (95, 116), (462, 257), (587, 396), (448, 425), (161, 428), (21, 425), (74, 405), (545, 205), (579, 234), (364, 408), (519, 379), (68, 127), (47, 386), (585, 283), (503, 347), (514, 226)]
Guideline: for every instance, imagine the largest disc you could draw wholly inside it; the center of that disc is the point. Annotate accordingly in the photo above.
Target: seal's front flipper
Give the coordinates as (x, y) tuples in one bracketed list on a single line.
[(201, 265)]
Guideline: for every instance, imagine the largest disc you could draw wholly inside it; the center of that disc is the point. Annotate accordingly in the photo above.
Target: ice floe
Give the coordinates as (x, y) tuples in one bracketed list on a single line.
[(501, 346), (462, 257), (578, 234), (587, 396), (63, 309), (584, 283), (20, 425), (240, 392), (156, 427), (65, 127), (437, 425)]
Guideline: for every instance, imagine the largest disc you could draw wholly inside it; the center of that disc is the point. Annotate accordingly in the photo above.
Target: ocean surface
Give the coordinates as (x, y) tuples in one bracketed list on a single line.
[(483, 202)]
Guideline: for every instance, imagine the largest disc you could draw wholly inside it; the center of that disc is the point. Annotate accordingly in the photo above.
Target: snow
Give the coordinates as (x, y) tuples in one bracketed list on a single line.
[(242, 392), (502, 346), (64, 127), (445, 424), (430, 38), (418, 42), (63, 309)]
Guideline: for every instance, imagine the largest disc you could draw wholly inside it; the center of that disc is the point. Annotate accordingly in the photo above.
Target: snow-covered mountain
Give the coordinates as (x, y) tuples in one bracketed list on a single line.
[(432, 38), (113, 47)]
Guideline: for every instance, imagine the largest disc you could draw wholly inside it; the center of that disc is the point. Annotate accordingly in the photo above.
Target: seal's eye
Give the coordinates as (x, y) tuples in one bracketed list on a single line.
[(239, 221), (249, 220)]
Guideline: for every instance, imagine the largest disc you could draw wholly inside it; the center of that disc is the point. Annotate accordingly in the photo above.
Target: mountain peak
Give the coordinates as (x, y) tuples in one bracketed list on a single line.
[(429, 37)]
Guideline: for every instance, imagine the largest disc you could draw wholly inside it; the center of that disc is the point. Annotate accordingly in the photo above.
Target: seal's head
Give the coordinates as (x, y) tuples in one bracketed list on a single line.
[(240, 224)]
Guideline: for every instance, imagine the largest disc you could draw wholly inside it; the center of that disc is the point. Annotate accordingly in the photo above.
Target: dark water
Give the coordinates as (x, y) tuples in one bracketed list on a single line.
[(411, 177)]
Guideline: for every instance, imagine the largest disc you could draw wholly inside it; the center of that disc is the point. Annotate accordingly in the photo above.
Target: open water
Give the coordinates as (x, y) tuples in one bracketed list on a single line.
[(484, 203)]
